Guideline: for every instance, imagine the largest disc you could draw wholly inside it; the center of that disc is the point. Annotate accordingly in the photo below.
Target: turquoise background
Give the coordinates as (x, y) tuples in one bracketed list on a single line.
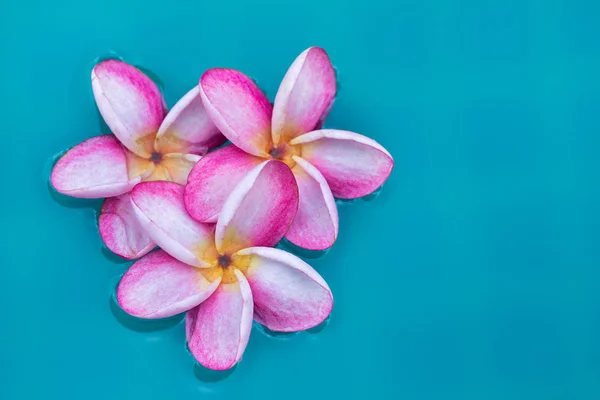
[(473, 275)]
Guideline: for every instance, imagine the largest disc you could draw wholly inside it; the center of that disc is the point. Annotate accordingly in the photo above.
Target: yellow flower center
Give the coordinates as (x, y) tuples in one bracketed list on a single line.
[(156, 157), (284, 152), (224, 265)]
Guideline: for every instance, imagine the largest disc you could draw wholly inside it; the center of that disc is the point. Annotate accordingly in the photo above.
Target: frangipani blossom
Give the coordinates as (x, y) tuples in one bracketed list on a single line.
[(148, 144), (326, 163), (224, 275)]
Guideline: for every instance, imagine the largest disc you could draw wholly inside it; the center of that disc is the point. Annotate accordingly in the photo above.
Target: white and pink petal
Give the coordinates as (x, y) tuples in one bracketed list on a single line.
[(289, 295), (159, 286), (159, 209), (315, 226), (187, 128), (305, 95), (259, 210), (120, 230), (238, 108), (213, 178), (353, 165), (95, 168), (130, 103), (218, 329)]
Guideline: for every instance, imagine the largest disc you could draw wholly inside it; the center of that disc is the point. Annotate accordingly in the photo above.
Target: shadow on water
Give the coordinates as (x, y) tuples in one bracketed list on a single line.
[(345, 202), (73, 202), (299, 251), (288, 335), (367, 198), (338, 81), (207, 375), (373, 196), (141, 324), (112, 55), (273, 334), (112, 257), (319, 328)]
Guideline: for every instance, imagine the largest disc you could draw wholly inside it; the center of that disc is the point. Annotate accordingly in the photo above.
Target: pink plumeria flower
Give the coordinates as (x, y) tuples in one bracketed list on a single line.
[(326, 163), (225, 275), (148, 144)]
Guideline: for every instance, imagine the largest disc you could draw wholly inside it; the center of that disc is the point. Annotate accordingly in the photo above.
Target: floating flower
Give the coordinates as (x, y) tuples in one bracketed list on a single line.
[(148, 144), (225, 275), (326, 163)]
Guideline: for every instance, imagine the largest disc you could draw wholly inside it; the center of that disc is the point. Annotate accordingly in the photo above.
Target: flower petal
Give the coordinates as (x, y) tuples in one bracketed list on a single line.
[(93, 169), (213, 178), (178, 166), (138, 166), (159, 173), (260, 209), (160, 211), (187, 128), (218, 330), (316, 224), (130, 103), (289, 295), (238, 108), (305, 95), (159, 286), (120, 229), (353, 165)]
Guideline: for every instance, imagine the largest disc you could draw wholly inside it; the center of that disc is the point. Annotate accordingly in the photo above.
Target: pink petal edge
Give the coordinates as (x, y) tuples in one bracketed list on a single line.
[(95, 168), (130, 103), (187, 128), (213, 178), (259, 210), (159, 286), (238, 108), (159, 208), (120, 230), (353, 165), (289, 295), (316, 224), (218, 330), (305, 95)]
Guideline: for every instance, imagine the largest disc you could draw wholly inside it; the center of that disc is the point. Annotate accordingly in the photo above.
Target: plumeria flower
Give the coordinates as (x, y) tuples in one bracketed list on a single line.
[(326, 163), (225, 275), (148, 144)]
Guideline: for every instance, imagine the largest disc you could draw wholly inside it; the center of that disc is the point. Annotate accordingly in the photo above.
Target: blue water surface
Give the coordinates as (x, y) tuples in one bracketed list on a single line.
[(473, 275)]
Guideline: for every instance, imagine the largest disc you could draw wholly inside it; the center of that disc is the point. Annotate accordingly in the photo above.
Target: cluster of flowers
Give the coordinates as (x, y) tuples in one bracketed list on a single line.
[(216, 216)]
